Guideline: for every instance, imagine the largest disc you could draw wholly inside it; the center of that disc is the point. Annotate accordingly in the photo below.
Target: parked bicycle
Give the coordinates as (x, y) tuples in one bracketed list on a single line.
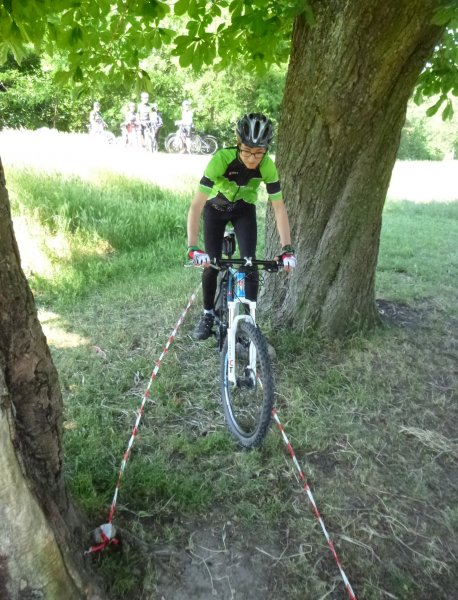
[(102, 134), (193, 142), (247, 385)]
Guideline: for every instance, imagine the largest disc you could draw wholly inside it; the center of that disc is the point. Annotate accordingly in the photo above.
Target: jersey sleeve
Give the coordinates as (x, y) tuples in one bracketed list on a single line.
[(271, 179), (215, 168)]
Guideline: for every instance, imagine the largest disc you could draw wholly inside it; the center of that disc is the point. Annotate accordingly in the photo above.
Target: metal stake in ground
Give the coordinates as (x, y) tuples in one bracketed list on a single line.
[(316, 512), (106, 530)]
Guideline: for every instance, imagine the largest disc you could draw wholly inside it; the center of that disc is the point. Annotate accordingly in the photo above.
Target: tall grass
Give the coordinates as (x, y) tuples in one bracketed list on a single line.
[(113, 228), (373, 419)]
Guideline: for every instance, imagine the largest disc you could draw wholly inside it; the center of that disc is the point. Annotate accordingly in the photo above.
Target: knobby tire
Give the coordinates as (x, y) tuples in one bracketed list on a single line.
[(248, 410)]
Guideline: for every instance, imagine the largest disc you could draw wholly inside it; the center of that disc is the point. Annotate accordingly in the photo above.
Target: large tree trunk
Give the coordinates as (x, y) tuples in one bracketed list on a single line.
[(349, 80), (39, 524)]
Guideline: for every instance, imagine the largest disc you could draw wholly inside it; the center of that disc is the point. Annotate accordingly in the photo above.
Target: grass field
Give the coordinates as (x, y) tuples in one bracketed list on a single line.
[(372, 419)]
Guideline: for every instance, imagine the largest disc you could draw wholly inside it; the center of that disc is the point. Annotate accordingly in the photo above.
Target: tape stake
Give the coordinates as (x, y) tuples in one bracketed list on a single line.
[(105, 540)]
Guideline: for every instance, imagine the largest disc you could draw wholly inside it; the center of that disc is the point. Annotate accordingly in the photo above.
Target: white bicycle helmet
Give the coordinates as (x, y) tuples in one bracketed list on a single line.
[(255, 130)]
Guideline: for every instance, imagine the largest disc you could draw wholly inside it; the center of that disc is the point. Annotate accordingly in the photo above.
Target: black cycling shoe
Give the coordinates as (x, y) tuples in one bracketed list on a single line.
[(203, 329)]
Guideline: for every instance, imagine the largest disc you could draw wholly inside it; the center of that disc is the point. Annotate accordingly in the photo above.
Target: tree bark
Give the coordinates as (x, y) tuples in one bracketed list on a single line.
[(349, 80), (40, 526)]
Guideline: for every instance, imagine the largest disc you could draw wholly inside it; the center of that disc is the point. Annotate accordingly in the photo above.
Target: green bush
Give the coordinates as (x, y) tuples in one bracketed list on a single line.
[(415, 144)]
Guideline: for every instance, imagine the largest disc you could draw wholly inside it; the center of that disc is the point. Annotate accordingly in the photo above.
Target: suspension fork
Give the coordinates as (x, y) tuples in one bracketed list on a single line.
[(234, 318)]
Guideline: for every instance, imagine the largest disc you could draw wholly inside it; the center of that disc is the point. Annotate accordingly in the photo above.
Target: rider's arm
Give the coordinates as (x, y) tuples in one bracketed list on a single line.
[(195, 210), (282, 221)]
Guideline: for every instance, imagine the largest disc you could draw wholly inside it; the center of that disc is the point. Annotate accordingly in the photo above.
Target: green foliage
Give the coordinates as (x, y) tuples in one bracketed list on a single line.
[(218, 98), (103, 44), (428, 137), (440, 77), (415, 144), (33, 100)]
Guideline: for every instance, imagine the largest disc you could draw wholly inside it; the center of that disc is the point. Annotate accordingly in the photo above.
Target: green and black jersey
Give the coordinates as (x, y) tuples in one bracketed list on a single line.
[(227, 176)]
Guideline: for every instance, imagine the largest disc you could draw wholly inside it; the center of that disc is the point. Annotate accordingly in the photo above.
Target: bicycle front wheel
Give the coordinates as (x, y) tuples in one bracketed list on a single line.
[(248, 404), (174, 144)]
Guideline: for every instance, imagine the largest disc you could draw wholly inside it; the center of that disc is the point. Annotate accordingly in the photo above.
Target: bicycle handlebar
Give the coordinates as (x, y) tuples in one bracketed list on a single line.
[(268, 265)]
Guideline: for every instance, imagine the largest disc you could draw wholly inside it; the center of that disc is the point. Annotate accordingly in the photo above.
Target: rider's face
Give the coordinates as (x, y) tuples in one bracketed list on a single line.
[(251, 157)]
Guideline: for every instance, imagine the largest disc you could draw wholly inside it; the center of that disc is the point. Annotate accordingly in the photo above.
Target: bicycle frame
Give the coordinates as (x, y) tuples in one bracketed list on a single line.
[(231, 303), (234, 317)]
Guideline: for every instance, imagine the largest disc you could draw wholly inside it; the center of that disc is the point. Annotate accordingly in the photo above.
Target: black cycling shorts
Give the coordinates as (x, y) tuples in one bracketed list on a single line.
[(218, 213)]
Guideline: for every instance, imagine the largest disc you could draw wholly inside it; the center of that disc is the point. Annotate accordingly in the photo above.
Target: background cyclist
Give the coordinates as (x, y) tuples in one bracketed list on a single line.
[(143, 115), (228, 194), (187, 116), (129, 125), (96, 122), (156, 121)]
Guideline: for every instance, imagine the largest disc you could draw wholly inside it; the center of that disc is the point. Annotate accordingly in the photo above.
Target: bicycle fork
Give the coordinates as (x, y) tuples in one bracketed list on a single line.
[(234, 319)]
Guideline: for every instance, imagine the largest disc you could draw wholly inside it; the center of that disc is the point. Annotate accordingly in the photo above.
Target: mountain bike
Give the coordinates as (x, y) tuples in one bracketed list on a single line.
[(101, 133), (247, 384), (197, 143)]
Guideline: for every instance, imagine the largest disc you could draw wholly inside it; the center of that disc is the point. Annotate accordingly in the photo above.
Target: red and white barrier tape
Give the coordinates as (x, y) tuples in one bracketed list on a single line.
[(107, 532), (103, 529), (316, 512)]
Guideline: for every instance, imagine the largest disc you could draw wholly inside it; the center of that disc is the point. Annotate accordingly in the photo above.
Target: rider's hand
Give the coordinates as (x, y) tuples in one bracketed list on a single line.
[(198, 257), (288, 258)]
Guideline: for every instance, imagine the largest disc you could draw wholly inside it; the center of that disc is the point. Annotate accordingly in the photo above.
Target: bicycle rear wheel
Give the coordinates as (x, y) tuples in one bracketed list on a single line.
[(248, 404), (195, 145), (209, 144)]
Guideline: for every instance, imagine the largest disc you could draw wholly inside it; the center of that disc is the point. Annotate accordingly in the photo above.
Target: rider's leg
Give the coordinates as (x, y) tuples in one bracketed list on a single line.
[(214, 225), (215, 222), (245, 227)]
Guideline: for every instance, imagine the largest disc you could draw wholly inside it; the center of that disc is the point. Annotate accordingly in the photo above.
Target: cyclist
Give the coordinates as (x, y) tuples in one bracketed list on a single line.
[(227, 194), (144, 115), (156, 121), (96, 122), (186, 123), (129, 125)]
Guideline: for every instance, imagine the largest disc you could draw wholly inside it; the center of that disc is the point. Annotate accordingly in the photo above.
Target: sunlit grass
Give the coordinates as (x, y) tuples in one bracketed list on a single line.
[(419, 252)]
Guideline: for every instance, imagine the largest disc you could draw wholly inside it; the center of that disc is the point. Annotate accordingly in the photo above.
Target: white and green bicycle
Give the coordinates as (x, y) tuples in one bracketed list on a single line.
[(247, 383)]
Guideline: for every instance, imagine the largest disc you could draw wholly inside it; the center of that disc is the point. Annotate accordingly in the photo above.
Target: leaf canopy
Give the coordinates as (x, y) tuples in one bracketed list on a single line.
[(106, 40)]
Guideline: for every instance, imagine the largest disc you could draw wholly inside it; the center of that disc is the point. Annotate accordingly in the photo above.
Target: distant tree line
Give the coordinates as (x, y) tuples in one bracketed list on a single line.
[(32, 100)]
